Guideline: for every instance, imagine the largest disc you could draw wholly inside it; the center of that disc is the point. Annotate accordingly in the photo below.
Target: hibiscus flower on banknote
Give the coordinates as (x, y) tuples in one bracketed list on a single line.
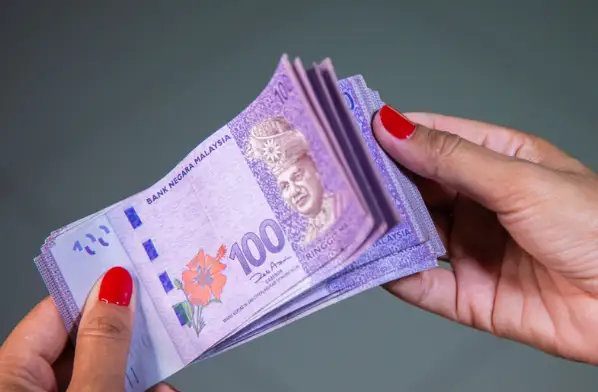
[(202, 284)]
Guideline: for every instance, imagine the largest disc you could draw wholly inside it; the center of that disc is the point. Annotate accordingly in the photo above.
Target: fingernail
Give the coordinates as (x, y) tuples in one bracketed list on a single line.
[(116, 287), (395, 123)]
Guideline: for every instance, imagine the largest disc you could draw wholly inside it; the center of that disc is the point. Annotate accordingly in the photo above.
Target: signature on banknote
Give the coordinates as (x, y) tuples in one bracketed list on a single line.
[(271, 272)]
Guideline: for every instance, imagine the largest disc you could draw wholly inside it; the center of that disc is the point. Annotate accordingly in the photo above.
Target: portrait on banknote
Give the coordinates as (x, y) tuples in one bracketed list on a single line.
[(286, 153)]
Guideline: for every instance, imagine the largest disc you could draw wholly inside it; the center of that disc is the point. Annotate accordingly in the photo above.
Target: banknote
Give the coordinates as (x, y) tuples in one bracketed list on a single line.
[(409, 192), (284, 210), (407, 233), (363, 273)]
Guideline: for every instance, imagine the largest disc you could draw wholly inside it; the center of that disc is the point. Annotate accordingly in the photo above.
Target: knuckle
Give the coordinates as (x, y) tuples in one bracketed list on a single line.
[(529, 148), (531, 179), (441, 147), (16, 374), (526, 187), (105, 327)]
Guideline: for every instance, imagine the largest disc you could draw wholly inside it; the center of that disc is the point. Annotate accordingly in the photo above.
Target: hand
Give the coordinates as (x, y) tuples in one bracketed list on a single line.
[(37, 356), (519, 219)]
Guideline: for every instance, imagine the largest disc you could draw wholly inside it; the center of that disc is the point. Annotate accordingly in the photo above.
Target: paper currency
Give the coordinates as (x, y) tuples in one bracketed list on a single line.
[(288, 208), (363, 273)]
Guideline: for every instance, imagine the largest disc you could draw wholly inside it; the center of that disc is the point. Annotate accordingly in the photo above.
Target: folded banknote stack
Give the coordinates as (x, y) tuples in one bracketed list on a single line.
[(288, 208)]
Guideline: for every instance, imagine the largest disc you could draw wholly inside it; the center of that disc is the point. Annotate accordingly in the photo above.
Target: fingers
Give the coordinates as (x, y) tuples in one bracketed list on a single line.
[(104, 334), (437, 196), (434, 290), (443, 223), (503, 140), (40, 334), (477, 249), (35, 343), (63, 367), (447, 158)]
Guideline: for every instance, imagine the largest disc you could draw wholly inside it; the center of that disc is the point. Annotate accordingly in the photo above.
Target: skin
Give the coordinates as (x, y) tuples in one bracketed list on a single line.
[(301, 187), (519, 219), (37, 355)]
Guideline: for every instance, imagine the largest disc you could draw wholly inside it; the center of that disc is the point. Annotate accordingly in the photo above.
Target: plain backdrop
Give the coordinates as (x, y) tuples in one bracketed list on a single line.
[(99, 101)]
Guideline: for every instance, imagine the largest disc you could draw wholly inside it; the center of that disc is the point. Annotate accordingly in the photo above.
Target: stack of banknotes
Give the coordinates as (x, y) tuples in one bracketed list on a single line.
[(288, 208)]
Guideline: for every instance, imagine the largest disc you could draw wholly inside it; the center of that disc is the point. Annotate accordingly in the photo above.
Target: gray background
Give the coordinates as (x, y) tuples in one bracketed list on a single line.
[(98, 102)]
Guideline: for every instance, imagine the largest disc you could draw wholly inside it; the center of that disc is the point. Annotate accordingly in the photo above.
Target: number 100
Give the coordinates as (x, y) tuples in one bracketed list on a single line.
[(245, 254)]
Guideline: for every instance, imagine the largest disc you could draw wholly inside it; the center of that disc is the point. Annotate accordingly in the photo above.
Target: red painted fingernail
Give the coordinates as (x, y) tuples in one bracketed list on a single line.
[(395, 123), (116, 287)]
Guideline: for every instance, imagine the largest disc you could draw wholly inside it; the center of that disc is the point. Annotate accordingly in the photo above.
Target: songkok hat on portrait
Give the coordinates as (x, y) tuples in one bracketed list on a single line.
[(277, 143)]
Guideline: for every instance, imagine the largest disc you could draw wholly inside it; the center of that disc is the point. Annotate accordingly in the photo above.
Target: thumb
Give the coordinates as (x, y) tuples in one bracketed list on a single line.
[(104, 334), (447, 158)]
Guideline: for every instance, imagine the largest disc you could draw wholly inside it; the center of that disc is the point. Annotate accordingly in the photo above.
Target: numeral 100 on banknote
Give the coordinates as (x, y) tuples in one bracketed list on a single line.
[(262, 242)]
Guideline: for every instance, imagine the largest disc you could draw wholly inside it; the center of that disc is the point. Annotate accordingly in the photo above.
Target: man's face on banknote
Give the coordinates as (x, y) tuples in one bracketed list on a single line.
[(301, 187)]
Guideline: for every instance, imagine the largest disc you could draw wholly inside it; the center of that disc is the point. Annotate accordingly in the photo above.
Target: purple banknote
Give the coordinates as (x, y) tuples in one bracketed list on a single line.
[(288, 208)]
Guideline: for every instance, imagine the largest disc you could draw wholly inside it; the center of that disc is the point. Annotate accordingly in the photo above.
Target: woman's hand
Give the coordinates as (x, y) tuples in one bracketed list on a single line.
[(37, 357), (519, 219)]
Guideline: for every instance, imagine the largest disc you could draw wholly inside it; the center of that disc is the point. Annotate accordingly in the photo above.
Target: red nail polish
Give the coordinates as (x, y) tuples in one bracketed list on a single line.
[(116, 287), (395, 123)]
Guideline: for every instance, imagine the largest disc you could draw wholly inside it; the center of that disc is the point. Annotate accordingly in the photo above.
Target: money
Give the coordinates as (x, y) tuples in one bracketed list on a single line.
[(363, 273), (288, 208)]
